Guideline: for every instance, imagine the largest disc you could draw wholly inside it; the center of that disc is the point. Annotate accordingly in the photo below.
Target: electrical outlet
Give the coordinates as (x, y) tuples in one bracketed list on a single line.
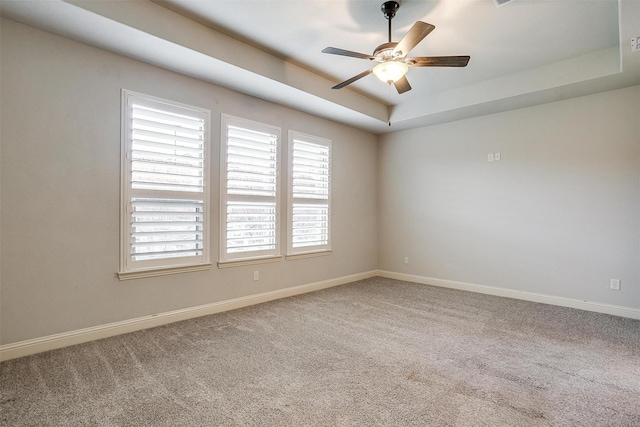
[(615, 284), (497, 157), (490, 157), (635, 44), (406, 260), (256, 275)]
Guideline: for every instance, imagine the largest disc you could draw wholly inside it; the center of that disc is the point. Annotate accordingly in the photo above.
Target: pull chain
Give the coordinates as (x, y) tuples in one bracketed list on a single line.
[(389, 106)]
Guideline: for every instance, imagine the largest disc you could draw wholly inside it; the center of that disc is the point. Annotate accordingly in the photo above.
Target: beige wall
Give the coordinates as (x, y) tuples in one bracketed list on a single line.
[(558, 215), (60, 175)]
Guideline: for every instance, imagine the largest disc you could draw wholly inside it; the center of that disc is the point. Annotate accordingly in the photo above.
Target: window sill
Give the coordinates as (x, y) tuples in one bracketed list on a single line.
[(140, 274), (308, 255), (251, 261)]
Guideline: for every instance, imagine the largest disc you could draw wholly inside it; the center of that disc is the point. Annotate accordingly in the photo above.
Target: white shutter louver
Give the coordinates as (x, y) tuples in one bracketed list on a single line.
[(251, 227), (251, 189), (166, 228), (310, 225), (166, 195), (167, 151), (310, 186), (310, 170), (251, 162)]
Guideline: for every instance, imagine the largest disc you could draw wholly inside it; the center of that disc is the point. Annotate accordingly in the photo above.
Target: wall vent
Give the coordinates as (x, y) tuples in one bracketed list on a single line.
[(501, 2)]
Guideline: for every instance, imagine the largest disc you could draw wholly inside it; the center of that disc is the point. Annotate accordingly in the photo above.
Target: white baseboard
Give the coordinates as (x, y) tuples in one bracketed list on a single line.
[(52, 342), (615, 310)]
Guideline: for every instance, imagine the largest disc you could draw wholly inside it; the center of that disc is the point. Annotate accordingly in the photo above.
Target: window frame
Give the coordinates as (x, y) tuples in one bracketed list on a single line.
[(258, 257), (130, 269), (317, 250)]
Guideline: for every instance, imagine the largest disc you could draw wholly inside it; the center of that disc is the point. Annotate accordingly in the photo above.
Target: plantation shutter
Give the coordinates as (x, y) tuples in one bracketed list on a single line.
[(166, 174), (251, 190), (309, 228)]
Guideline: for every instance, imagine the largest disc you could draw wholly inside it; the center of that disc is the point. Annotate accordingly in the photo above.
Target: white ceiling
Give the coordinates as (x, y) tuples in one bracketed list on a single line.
[(523, 53)]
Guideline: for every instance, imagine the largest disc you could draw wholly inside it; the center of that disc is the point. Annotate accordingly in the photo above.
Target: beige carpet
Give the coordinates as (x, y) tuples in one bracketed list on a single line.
[(375, 352)]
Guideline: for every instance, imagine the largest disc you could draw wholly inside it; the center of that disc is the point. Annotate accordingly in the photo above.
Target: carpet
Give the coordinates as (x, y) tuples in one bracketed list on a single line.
[(373, 352)]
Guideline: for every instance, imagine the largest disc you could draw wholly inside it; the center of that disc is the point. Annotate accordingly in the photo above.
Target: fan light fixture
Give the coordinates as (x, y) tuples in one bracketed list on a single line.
[(390, 71), (391, 58)]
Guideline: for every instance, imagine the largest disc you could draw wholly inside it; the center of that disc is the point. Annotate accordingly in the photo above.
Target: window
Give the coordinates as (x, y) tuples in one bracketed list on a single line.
[(165, 203), (250, 192), (309, 198)]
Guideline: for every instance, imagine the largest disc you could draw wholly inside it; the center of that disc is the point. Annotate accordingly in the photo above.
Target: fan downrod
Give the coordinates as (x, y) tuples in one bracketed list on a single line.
[(389, 9)]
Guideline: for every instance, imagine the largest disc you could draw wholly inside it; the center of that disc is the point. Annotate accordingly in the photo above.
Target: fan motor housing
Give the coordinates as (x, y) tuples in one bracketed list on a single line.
[(384, 51)]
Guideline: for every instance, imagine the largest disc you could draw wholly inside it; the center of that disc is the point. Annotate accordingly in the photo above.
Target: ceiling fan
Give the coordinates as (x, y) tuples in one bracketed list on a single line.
[(391, 57)]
